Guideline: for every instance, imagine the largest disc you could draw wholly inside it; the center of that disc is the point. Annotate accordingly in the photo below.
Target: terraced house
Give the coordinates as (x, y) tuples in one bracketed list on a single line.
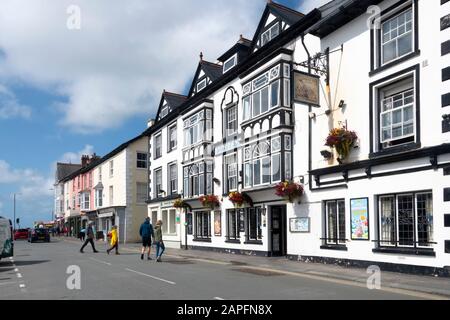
[(347, 101)]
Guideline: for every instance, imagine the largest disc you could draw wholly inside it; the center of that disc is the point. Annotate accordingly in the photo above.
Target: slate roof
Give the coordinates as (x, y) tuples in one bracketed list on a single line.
[(213, 71), (65, 169), (243, 46), (173, 99), (287, 14)]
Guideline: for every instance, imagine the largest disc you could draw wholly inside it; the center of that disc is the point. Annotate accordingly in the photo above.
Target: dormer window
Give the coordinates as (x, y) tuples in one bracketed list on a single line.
[(230, 63), (270, 34), (201, 85), (164, 111)]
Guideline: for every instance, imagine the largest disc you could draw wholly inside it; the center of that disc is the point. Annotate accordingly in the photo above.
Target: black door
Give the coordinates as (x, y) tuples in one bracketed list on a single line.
[(278, 231)]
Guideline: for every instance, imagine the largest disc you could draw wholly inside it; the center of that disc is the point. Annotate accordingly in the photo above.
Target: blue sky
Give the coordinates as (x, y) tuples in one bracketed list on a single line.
[(66, 92)]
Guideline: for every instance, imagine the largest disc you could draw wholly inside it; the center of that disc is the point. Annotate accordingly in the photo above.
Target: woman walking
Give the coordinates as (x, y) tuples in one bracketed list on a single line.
[(159, 241), (114, 241)]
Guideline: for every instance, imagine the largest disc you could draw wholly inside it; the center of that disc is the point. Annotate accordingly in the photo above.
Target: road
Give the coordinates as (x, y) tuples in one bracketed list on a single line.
[(39, 271)]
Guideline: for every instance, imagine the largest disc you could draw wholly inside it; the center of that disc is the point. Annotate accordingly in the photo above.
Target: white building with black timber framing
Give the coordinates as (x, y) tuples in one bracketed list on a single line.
[(240, 128)]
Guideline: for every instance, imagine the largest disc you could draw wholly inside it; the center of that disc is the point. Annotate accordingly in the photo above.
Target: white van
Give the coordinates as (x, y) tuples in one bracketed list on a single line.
[(6, 238)]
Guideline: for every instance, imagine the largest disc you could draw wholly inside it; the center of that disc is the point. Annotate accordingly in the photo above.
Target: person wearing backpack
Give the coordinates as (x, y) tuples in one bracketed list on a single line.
[(114, 241), (90, 238), (146, 233)]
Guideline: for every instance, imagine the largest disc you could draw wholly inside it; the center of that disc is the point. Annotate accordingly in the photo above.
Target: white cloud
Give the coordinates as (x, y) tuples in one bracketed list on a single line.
[(125, 54), (29, 183), (75, 157), (10, 107), (306, 6)]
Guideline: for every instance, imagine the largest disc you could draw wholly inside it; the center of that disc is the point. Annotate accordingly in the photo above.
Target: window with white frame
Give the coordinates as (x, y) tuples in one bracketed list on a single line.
[(164, 111), (201, 85), (231, 120), (397, 113), (262, 163), (111, 168), (231, 168), (169, 222), (173, 178), (157, 176), (100, 177), (202, 225), (197, 179), (264, 93), (397, 36), (141, 192), (406, 220), (99, 198), (172, 137), (335, 233), (198, 127), (141, 160), (111, 195), (85, 201), (157, 141), (270, 34), (230, 63)]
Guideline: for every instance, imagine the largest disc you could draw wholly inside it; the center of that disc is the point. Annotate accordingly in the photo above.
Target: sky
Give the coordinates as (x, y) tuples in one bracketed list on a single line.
[(71, 86)]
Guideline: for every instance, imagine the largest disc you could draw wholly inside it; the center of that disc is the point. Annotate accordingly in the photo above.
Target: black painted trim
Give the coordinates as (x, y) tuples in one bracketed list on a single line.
[(232, 251), (445, 100), (331, 247), (201, 240), (406, 251), (445, 74), (445, 47)]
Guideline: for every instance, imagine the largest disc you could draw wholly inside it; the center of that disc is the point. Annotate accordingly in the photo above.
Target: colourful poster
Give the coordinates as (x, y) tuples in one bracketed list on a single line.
[(359, 209)]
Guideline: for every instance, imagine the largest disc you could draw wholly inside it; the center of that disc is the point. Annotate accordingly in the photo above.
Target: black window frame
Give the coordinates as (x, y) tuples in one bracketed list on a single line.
[(202, 217), (155, 149), (207, 178), (237, 234), (257, 211), (398, 8), (140, 161), (337, 240), (156, 191), (396, 243)]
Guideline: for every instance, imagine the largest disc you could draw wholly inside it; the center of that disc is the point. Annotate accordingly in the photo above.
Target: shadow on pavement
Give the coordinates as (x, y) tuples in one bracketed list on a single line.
[(5, 269), (29, 263)]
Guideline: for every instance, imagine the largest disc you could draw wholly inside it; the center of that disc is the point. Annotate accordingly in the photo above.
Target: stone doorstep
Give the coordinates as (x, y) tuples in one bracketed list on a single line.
[(337, 272)]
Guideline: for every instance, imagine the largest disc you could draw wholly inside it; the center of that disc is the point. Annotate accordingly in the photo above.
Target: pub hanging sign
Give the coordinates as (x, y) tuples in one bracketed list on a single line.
[(306, 88)]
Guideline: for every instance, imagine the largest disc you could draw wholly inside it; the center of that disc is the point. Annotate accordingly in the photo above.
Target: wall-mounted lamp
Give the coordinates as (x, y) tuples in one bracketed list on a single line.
[(312, 115), (216, 181), (341, 104)]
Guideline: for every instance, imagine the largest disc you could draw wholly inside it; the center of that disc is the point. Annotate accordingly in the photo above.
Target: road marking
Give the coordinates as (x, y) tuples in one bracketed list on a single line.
[(218, 298), (22, 286), (100, 261), (19, 275), (147, 275), (6, 283), (16, 270), (416, 294)]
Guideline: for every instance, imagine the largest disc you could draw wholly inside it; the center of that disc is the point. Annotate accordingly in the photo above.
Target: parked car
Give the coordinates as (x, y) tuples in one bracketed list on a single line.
[(6, 238), (38, 234), (21, 234)]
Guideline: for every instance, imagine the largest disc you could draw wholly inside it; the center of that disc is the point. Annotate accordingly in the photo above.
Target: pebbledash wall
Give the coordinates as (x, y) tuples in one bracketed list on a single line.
[(410, 233)]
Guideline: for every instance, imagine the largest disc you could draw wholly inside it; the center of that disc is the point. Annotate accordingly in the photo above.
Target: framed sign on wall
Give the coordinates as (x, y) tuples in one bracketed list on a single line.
[(300, 225), (217, 223), (359, 216), (306, 88)]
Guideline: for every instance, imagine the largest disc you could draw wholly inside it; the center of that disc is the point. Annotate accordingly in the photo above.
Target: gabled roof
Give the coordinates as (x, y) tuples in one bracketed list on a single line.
[(242, 46), (286, 14), (337, 13), (173, 100), (212, 71)]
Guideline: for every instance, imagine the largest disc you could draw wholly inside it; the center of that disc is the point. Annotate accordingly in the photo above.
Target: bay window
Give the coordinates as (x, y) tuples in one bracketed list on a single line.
[(406, 220), (198, 128), (197, 179)]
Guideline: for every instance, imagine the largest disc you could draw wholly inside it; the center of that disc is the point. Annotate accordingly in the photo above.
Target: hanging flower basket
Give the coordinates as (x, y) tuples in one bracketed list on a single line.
[(289, 190), (210, 201), (236, 198), (179, 204), (343, 141)]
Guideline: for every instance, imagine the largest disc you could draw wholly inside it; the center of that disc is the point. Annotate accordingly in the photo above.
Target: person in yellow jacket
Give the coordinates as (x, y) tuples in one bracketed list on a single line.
[(114, 241)]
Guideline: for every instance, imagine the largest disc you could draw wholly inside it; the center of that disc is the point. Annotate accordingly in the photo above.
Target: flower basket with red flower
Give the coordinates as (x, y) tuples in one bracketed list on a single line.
[(179, 204), (210, 201), (236, 198), (289, 190), (342, 140)]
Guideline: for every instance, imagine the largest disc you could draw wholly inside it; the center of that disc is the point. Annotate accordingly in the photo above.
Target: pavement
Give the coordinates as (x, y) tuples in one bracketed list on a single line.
[(49, 271)]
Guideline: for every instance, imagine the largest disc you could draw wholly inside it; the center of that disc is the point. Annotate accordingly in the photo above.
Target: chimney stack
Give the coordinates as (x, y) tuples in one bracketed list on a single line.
[(84, 160), (150, 123)]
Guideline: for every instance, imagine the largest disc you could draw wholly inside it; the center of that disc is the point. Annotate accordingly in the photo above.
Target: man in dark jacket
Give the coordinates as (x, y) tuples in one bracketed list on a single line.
[(146, 232), (90, 238)]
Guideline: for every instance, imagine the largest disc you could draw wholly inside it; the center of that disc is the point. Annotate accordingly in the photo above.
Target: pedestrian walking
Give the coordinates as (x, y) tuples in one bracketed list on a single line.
[(159, 241), (146, 232), (114, 241), (90, 238)]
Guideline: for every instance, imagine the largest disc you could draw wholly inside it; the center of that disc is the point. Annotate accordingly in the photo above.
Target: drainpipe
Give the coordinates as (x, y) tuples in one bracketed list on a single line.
[(309, 120)]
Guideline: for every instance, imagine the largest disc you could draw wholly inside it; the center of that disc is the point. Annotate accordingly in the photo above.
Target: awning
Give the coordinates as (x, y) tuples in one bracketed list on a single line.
[(106, 215)]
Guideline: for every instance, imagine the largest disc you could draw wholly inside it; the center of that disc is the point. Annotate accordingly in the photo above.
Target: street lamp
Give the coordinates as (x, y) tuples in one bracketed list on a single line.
[(15, 210)]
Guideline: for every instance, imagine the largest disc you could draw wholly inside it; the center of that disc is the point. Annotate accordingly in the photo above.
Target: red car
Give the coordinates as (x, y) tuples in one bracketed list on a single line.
[(21, 234)]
